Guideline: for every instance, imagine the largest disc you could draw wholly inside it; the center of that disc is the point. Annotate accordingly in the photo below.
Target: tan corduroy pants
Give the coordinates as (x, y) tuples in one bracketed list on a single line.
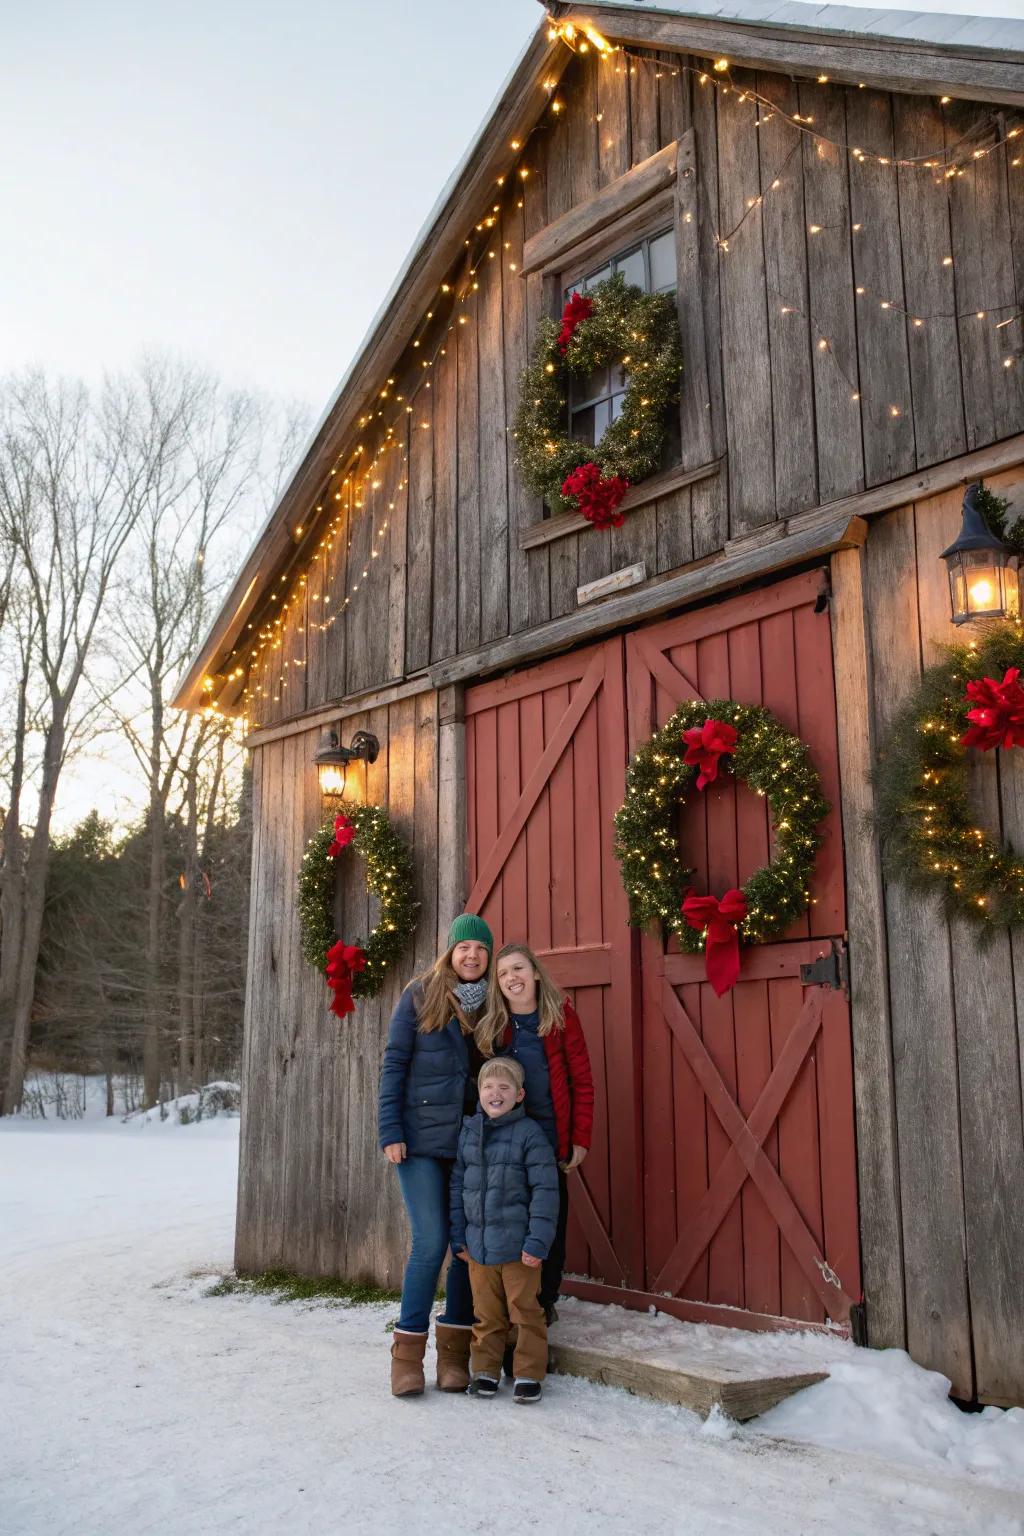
[(504, 1293)]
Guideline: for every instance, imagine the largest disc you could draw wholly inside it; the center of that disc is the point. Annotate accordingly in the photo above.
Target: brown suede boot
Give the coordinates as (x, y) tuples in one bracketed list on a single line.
[(407, 1353), (453, 1344)]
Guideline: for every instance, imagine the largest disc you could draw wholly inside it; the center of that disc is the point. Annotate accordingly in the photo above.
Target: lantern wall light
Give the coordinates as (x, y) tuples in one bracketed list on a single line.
[(982, 573), (332, 759)]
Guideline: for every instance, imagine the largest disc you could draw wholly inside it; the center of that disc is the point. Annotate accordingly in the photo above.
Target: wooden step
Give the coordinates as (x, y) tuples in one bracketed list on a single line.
[(698, 1366)]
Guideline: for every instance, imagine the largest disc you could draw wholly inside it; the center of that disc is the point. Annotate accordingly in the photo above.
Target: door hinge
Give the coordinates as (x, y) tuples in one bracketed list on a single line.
[(829, 970)]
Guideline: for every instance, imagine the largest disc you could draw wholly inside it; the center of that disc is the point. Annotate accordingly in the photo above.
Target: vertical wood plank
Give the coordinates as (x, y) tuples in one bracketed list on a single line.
[(790, 337), (745, 347), (395, 551), (445, 598), (534, 209), (420, 612), (494, 509), (523, 508), (468, 585), (880, 1221), (986, 292), (830, 301), (929, 283), (881, 333), (709, 500), (921, 1003), (451, 816)]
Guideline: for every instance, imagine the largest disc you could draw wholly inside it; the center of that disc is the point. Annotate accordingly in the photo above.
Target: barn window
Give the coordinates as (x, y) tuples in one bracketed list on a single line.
[(650, 264)]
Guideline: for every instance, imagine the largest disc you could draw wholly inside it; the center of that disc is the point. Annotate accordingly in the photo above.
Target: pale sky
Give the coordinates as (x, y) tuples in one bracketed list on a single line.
[(237, 182)]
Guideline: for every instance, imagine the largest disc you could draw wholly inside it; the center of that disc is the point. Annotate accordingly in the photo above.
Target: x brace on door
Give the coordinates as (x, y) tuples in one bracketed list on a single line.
[(746, 1157)]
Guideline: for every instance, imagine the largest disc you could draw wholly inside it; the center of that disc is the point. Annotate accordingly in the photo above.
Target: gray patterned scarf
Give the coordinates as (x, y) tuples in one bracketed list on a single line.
[(471, 994)]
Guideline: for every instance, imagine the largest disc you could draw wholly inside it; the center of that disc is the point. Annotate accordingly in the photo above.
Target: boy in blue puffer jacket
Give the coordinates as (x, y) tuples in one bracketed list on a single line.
[(504, 1211)]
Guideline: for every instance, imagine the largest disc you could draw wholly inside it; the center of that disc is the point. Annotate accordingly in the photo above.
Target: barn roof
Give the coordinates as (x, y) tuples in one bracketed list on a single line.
[(1000, 34), (975, 57)]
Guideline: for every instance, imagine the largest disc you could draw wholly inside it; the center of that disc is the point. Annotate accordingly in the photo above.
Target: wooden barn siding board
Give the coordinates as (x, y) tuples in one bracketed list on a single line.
[(709, 502), (830, 296), (523, 507), (929, 285), (881, 333), (877, 1157), (494, 510), (395, 552), (535, 215), (675, 513), (983, 262), (251, 1155), (564, 557), (444, 615), (791, 339), (423, 473), (586, 178), (337, 615), (992, 1139), (921, 1003), (468, 415), (746, 357)]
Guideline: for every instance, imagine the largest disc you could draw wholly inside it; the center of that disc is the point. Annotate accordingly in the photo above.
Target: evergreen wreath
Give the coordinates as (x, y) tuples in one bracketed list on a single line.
[(930, 836), (356, 970), (774, 762), (614, 323)]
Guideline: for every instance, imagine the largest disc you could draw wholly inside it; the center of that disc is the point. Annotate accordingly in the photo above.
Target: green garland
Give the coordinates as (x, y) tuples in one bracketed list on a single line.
[(639, 330), (773, 762), (930, 836), (388, 877)]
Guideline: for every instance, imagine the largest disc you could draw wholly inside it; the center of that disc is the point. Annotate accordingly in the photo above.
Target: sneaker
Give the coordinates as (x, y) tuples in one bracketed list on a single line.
[(526, 1391), (483, 1386)]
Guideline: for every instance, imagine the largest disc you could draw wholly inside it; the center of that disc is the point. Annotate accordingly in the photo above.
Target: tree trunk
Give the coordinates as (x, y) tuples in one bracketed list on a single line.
[(151, 1053), (187, 925), (36, 867), (12, 892)]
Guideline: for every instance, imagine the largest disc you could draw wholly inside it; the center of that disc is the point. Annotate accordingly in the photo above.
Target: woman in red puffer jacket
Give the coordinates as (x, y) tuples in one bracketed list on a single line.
[(528, 1018)]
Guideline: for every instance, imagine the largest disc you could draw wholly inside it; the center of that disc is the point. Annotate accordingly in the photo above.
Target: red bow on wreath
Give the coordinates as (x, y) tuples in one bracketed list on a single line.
[(344, 832), (597, 497), (578, 308), (344, 961), (722, 944), (705, 744), (998, 720)]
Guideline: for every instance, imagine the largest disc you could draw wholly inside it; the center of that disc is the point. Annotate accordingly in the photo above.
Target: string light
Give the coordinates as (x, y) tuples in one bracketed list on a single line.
[(954, 160)]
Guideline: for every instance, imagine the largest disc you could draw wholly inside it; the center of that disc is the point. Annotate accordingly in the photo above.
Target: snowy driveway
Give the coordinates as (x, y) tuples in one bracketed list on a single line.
[(129, 1401)]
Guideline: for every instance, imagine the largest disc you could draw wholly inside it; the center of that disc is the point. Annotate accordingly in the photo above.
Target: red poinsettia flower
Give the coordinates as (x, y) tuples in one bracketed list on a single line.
[(597, 496), (577, 309), (998, 718), (705, 744), (344, 961), (344, 832)]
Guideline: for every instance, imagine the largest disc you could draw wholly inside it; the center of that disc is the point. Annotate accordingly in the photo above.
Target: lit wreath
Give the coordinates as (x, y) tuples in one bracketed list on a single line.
[(614, 323), (691, 746), (356, 970), (930, 836)]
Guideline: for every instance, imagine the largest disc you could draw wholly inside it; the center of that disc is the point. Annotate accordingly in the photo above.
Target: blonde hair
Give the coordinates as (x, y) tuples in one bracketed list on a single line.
[(496, 1016), (503, 1066), (439, 1002)]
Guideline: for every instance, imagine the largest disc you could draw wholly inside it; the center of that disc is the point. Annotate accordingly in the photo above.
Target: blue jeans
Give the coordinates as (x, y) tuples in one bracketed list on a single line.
[(424, 1184)]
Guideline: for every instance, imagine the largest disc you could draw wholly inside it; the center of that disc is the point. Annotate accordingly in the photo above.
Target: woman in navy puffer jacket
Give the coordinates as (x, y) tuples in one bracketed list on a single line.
[(423, 1092)]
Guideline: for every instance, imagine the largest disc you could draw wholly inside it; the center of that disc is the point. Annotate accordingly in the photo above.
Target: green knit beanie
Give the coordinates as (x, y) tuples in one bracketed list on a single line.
[(467, 927)]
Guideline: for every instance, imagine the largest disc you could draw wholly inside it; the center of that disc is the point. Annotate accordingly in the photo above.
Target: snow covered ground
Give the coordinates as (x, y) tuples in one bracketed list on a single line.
[(132, 1400)]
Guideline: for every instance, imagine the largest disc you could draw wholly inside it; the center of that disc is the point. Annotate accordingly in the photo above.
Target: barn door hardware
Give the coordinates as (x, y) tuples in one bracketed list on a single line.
[(828, 970)]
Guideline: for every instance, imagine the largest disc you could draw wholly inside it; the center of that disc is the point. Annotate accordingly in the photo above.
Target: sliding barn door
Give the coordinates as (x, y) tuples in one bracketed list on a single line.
[(749, 1156), (545, 767)]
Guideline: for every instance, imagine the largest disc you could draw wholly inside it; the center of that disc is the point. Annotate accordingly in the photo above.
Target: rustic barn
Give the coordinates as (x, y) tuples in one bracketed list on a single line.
[(836, 199)]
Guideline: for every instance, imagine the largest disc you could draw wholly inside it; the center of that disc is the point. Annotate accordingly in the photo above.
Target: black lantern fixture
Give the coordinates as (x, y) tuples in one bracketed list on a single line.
[(982, 572), (332, 758)]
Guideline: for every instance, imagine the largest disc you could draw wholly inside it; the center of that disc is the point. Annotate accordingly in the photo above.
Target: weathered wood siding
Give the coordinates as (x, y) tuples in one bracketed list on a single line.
[(315, 1194), (939, 1051), (798, 423)]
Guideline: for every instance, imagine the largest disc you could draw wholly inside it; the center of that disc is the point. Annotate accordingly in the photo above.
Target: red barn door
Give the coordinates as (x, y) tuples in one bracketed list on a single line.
[(545, 771), (750, 1192), (723, 1170)]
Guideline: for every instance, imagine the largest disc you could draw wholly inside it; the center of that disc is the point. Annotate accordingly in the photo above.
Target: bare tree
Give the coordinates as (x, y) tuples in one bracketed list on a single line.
[(70, 496)]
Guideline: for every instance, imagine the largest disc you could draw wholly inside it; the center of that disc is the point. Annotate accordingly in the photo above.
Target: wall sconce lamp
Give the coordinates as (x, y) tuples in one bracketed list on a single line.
[(982, 572), (332, 758)]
